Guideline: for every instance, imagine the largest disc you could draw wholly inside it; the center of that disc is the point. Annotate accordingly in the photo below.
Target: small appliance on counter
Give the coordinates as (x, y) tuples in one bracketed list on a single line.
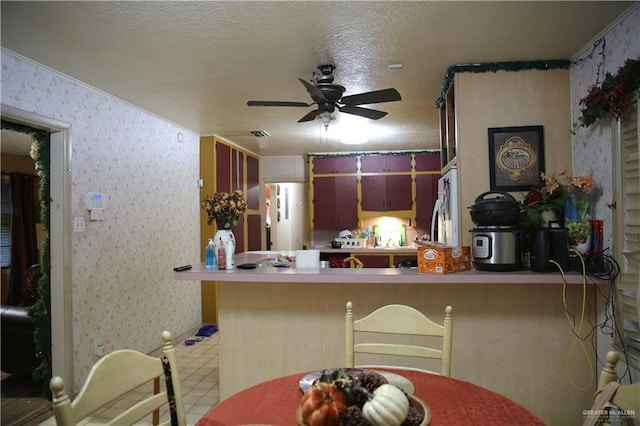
[(495, 240), (547, 245)]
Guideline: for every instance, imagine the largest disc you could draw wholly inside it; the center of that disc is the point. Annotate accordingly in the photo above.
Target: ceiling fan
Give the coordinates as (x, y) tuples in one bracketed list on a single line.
[(328, 97)]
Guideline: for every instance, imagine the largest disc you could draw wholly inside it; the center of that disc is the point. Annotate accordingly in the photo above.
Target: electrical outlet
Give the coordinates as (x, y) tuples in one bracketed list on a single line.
[(78, 224)]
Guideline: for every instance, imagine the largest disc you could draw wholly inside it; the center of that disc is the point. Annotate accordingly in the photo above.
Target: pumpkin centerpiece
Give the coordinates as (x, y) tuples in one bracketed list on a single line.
[(338, 399)]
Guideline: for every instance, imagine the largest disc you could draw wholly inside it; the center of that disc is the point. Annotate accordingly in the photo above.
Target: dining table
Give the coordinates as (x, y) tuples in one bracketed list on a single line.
[(449, 401)]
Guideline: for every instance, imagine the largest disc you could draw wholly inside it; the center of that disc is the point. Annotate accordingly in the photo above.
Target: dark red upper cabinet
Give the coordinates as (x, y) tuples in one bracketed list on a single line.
[(385, 163), (427, 162), (335, 202), (332, 165)]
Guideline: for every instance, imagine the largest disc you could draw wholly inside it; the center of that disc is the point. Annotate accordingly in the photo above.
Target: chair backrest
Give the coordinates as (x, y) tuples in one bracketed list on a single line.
[(119, 373), (610, 392), (353, 262), (402, 320)]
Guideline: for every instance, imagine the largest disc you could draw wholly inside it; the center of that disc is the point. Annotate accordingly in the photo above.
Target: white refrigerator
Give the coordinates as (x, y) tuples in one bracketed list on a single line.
[(445, 222)]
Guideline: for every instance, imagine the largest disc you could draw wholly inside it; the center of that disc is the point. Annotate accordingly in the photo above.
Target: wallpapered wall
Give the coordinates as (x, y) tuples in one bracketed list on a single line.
[(122, 288), (592, 150)]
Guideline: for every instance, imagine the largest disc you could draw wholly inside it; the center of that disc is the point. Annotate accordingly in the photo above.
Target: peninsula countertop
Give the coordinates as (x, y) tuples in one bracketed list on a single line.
[(199, 272)]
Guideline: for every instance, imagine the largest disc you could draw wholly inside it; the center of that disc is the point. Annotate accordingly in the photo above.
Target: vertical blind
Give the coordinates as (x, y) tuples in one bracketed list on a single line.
[(627, 239)]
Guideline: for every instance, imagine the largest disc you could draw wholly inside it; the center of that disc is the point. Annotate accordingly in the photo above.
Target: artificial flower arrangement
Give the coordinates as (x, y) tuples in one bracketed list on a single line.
[(566, 195), (613, 96), (224, 208)]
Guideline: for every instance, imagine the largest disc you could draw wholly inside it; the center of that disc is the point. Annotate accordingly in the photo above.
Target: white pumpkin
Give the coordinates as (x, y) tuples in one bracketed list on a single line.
[(388, 406)]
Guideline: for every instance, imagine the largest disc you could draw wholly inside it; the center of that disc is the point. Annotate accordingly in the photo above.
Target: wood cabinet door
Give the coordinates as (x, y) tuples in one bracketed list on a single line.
[(346, 196), (254, 229), (253, 183), (237, 170), (426, 195), (374, 261), (373, 163), (399, 192), (385, 163), (384, 193), (223, 167), (374, 193), (398, 163), (324, 202), (238, 233), (329, 165), (335, 202), (427, 162)]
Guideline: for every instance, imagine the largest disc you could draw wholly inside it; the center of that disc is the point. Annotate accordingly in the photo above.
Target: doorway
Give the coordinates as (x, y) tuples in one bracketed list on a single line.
[(285, 216), (59, 234)]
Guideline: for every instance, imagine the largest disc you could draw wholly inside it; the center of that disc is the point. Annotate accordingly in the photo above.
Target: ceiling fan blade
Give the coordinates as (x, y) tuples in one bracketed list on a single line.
[(373, 114), (278, 104), (375, 97), (310, 117), (314, 91)]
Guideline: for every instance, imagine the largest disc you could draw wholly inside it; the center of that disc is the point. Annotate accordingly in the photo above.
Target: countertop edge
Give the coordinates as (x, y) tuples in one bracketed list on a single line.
[(198, 272)]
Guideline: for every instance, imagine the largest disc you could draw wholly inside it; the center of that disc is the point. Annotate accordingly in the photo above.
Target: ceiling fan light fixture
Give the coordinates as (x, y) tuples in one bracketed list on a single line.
[(326, 118), (354, 134), (354, 140)]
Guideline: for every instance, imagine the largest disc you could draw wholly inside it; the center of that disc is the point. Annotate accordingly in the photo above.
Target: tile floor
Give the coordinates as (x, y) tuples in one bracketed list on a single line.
[(198, 368)]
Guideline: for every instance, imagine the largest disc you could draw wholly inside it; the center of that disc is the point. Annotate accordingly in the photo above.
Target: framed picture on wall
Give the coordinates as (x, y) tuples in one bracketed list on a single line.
[(516, 157)]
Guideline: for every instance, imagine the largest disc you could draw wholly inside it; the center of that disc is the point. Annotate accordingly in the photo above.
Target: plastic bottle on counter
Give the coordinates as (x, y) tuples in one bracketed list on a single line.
[(210, 255), (228, 254), (222, 258)]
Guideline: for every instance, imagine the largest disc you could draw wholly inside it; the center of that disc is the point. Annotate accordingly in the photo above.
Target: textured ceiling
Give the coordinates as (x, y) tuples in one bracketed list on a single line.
[(198, 63)]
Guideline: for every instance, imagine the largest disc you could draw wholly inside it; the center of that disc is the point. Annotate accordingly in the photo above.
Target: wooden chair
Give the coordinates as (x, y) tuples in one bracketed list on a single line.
[(353, 261), (612, 394), (117, 374), (403, 320)]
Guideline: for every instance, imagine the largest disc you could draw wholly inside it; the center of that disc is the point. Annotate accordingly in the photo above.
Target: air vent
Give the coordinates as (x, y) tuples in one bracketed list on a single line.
[(260, 133)]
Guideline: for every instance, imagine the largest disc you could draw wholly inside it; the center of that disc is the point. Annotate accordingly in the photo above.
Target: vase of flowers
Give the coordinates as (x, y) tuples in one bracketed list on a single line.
[(569, 197), (223, 208), (543, 204), (579, 197), (579, 235)]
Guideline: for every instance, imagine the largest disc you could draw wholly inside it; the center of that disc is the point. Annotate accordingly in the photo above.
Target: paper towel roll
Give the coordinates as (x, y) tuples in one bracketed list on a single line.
[(307, 258)]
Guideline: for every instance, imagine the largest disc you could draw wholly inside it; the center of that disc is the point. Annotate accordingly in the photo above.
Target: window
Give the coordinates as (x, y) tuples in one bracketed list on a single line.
[(627, 236), (6, 209)]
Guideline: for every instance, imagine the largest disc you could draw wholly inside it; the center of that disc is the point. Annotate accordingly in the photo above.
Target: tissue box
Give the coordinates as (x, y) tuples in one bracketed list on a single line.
[(435, 258)]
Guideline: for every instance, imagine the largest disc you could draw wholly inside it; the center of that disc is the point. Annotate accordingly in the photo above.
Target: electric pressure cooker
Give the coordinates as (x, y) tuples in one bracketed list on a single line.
[(495, 241)]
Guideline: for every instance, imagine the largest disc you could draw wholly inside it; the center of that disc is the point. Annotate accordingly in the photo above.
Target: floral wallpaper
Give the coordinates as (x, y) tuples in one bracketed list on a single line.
[(592, 149), (147, 168)]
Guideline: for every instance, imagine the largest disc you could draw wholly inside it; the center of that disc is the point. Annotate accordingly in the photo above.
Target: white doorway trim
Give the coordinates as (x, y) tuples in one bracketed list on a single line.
[(59, 235), (305, 203)]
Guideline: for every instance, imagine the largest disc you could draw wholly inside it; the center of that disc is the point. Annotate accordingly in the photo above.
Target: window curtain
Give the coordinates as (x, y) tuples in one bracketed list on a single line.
[(24, 246)]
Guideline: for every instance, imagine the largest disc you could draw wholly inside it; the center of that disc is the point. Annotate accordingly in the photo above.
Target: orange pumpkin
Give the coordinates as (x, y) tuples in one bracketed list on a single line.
[(322, 404)]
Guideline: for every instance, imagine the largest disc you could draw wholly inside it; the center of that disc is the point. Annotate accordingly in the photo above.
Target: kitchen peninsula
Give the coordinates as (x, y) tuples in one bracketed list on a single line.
[(511, 333)]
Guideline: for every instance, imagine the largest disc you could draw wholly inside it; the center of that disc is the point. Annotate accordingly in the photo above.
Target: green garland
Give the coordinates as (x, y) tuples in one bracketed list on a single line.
[(39, 311), (365, 153), (498, 66)]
